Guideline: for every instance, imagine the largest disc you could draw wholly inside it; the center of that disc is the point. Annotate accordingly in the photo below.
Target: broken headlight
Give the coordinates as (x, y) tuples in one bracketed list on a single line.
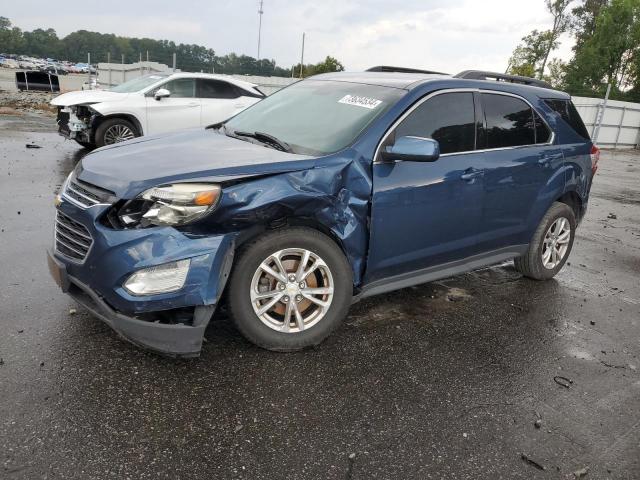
[(171, 205)]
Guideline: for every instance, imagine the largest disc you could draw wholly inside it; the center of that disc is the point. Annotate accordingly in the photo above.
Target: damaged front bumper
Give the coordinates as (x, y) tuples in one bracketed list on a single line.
[(171, 323), (176, 340), (75, 123)]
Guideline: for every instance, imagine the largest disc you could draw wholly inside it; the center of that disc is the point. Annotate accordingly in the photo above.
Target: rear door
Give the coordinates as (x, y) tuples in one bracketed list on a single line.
[(521, 165), (425, 214), (221, 100), (178, 111)]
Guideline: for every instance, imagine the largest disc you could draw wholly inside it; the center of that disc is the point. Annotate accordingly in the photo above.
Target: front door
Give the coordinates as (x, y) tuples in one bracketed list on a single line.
[(178, 111), (426, 214)]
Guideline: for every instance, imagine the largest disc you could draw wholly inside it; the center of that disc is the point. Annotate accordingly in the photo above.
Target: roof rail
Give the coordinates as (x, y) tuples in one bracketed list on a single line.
[(387, 68), (502, 77)]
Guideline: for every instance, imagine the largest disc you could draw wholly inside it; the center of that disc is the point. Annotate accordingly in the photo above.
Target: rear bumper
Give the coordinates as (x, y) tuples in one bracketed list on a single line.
[(175, 340)]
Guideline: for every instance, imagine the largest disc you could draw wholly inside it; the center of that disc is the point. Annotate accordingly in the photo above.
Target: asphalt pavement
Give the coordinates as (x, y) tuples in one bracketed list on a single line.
[(483, 376)]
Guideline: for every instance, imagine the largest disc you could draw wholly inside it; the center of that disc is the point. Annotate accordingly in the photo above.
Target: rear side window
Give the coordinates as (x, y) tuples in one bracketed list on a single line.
[(216, 89), (569, 114), (510, 121), (448, 118)]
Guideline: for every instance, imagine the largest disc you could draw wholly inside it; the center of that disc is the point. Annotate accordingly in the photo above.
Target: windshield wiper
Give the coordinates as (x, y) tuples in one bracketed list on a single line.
[(267, 139)]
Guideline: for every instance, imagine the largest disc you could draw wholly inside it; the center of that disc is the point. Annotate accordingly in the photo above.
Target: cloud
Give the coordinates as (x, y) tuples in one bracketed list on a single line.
[(436, 34)]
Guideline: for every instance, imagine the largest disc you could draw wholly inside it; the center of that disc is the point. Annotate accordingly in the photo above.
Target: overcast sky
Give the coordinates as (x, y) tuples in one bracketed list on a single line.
[(448, 36)]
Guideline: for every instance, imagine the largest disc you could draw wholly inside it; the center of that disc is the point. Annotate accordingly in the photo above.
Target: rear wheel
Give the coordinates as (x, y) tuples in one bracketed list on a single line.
[(290, 289), (550, 245), (115, 130)]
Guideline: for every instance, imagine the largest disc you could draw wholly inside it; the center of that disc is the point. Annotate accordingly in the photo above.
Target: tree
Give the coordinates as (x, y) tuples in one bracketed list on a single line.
[(611, 54), (558, 9), (583, 20), (531, 56), (10, 37)]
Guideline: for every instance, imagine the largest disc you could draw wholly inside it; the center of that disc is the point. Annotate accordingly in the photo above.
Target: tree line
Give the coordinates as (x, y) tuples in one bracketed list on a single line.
[(74, 47), (606, 50)]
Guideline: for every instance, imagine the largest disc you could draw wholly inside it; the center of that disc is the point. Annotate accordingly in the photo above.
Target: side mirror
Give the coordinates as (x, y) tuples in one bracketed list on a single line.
[(412, 149), (162, 93)]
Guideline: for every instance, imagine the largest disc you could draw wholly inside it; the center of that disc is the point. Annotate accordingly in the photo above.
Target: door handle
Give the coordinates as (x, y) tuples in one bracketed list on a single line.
[(470, 174)]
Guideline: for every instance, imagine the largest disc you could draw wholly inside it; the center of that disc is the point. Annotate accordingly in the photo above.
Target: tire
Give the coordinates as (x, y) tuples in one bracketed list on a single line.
[(268, 331), (87, 145), (106, 133), (532, 264)]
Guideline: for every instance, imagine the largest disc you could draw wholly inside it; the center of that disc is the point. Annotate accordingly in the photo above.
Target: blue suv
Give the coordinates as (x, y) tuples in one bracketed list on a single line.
[(339, 187)]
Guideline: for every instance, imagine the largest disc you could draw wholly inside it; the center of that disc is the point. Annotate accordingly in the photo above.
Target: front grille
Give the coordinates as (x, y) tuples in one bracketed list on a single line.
[(73, 240), (86, 195)]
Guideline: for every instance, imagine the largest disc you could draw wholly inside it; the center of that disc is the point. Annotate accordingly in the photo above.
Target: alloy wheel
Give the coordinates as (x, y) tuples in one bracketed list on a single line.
[(117, 133), (556, 243), (292, 290)]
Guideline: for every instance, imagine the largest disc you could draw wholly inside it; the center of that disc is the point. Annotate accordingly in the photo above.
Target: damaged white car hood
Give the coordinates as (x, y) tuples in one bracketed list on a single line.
[(87, 96)]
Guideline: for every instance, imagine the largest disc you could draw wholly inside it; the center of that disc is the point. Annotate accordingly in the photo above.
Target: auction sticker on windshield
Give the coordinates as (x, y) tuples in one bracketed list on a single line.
[(365, 102)]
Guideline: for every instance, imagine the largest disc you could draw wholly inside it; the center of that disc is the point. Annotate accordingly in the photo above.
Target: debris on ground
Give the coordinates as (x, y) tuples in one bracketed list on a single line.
[(563, 381), (1, 361), (612, 216), (32, 145), (457, 295), (581, 473), (532, 462), (72, 311), (238, 428), (538, 423)]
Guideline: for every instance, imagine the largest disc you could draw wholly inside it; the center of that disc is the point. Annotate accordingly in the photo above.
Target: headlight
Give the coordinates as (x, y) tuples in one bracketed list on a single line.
[(165, 278), (176, 204)]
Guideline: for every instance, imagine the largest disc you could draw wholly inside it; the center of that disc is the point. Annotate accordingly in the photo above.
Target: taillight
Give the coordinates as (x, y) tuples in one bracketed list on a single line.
[(595, 157)]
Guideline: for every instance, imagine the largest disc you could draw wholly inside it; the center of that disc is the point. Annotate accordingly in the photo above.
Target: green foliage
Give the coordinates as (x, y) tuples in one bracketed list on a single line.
[(610, 54), (528, 57), (531, 56), (329, 64), (105, 46)]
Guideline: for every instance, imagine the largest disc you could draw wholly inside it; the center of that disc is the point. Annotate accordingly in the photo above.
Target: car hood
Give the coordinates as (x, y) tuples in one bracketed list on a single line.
[(87, 96), (130, 167)]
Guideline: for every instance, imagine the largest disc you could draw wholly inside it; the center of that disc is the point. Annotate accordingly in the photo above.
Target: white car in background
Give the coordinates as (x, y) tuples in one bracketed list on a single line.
[(151, 104)]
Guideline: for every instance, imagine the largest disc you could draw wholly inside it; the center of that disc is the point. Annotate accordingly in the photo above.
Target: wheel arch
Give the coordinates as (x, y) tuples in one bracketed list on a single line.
[(125, 116), (573, 200), (253, 232)]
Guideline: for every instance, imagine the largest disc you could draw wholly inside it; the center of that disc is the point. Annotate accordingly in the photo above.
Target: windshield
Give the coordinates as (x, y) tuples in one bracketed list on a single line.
[(137, 84), (316, 117)]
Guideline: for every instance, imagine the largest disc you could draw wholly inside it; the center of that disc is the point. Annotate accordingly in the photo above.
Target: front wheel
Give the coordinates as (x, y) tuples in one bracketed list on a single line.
[(290, 289), (115, 130), (550, 245)]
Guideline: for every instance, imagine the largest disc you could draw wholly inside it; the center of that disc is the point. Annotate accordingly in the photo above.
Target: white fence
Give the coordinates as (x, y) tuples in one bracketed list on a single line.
[(619, 121)]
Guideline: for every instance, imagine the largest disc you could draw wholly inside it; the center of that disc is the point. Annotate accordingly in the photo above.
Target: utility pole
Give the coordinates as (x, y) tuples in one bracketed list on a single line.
[(302, 55), (260, 12)]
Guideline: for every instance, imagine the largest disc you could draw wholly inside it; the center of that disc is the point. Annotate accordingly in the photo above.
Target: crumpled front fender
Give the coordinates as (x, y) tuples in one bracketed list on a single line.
[(334, 194)]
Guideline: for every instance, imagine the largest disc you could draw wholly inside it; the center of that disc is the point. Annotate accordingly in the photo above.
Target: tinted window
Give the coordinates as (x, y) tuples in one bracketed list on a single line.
[(448, 118), (509, 121), (543, 134), (181, 87), (216, 89), (569, 114)]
